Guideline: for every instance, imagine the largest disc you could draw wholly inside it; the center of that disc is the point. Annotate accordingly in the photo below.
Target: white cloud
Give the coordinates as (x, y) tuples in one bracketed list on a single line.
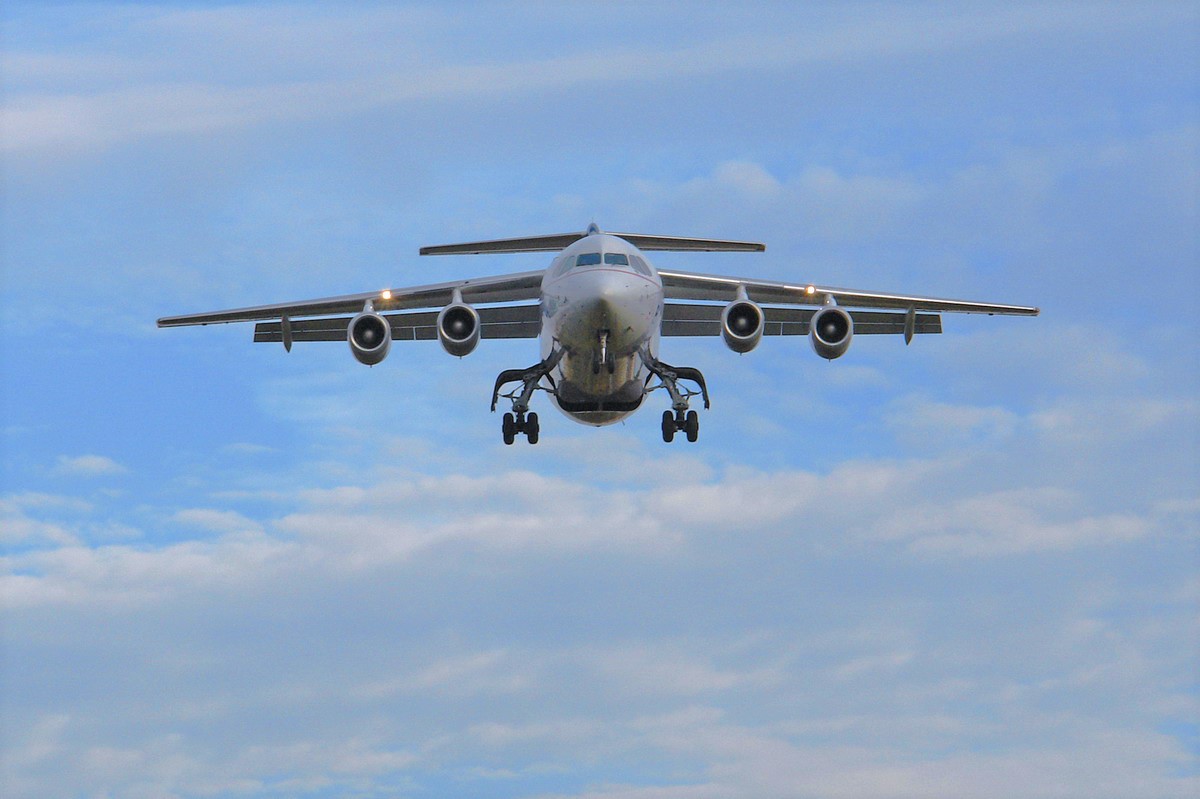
[(1008, 523), (921, 421), (19, 522), (216, 520), (1086, 419), (245, 448), (368, 529), (868, 664), (481, 673), (376, 609), (120, 575), (88, 466), (657, 670), (825, 708), (166, 102)]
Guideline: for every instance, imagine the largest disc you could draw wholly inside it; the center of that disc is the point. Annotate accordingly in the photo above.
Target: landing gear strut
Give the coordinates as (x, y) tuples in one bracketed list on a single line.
[(679, 418), (522, 420), (603, 357)]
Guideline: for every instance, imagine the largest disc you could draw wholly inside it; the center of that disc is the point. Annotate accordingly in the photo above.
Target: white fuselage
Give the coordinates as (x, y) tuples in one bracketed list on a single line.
[(602, 305)]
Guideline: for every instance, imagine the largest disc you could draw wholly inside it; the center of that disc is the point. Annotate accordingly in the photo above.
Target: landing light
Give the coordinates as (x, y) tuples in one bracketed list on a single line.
[(810, 290), (385, 295)]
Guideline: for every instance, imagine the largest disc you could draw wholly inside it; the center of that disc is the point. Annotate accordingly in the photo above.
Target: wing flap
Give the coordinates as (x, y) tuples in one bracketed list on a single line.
[(679, 285), (705, 320), (512, 321), (517, 287)]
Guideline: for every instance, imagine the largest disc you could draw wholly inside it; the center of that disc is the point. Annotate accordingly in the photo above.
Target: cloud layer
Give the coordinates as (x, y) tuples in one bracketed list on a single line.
[(938, 570)]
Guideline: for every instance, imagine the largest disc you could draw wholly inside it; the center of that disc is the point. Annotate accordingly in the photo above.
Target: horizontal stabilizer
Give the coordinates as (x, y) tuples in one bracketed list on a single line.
[(675, 244), (560, 241), (551, 243)]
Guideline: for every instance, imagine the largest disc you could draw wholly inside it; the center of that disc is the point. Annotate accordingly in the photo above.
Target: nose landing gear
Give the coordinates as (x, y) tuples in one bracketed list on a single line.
[(603, 358)]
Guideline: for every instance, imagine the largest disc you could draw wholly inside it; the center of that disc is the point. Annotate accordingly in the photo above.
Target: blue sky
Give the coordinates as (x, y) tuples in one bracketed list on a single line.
[(965, 568)]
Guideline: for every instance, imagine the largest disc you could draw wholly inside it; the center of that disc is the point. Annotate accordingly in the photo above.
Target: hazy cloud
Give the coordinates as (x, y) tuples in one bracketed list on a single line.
[(938, 570), (87, 466)]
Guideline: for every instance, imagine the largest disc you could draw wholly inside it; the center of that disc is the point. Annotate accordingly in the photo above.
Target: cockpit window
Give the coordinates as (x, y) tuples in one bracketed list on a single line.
[(640, 266), (588, 259), (616, 258)]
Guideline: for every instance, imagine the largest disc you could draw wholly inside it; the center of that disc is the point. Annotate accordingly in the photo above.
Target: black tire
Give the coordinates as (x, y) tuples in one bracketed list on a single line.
[(508, 427), (692, 426), (668, 426), (532, 429)]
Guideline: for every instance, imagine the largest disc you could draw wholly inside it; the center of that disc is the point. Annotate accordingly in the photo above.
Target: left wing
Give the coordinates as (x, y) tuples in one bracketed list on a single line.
[(501, 288), (683, 319), (679, 285)]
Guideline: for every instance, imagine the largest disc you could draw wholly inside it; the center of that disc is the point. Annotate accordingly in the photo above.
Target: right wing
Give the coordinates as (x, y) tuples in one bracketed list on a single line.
[(522, 286), (507, 321)]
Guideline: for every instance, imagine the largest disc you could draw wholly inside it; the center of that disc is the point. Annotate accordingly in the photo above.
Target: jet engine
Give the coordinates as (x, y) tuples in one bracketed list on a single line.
[(458, 328), (370, 337), (742, 324), (830, 330)]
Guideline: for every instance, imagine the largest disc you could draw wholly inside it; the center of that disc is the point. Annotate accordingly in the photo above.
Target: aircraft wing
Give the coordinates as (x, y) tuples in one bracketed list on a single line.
[(505, 321), (521, 286), (687, 319), (679, 285)]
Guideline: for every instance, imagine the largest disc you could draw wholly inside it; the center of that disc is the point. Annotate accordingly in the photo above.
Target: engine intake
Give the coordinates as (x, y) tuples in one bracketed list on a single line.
[(370, 337), (742, 324), (830, 331), (458, 328)]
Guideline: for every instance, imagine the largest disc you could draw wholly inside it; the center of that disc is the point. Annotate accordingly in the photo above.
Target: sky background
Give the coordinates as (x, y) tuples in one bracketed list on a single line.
[(964, 568)]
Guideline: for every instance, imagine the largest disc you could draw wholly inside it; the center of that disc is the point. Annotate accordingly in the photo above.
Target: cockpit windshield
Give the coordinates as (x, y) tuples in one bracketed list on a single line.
[(639, 266), (597, 259)]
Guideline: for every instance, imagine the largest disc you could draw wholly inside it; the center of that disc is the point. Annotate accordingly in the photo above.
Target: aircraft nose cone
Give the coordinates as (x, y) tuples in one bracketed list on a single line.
[(611, 294)]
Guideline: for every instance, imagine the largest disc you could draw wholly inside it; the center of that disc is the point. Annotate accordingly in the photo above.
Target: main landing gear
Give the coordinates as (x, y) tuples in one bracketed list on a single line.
[(512, 425), (678, 421), (679, 418), (522, 420)]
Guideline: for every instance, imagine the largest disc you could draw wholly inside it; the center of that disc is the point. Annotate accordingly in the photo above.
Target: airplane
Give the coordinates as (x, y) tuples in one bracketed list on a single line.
[(599, 311)]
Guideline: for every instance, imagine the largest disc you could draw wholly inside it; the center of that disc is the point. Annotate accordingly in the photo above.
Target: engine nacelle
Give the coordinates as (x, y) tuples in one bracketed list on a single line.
[(370, 337), (742, 324), (458, 328), (830, 331)]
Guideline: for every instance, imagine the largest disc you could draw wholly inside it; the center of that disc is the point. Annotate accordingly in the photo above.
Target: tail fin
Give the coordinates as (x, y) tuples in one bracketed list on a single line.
[(559, 241)]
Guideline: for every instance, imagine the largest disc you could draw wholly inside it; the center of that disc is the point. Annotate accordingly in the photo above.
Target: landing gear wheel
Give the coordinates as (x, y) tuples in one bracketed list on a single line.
[(668, 426), (692, 426), (531, 428), (509, 428)]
